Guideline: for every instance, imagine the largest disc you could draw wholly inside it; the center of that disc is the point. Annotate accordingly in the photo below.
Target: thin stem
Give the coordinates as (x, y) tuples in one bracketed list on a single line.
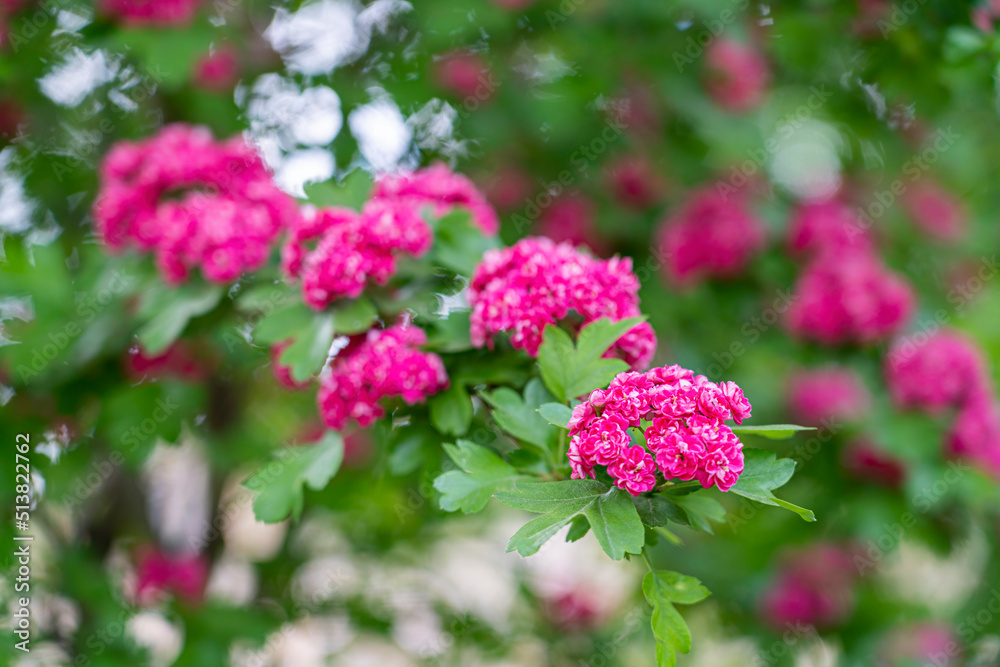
[(649, 563)]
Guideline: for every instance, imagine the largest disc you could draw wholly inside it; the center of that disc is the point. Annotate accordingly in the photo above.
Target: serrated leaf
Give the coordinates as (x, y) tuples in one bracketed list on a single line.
[(701, 510), (280, 492), (308, 352), (283, 324), (570, 370), (656, 511), (609, 510), (772, 431), (663, 589), (481, 473), (183, 304), (556, 414), (578, 529), (762, 473), (451, 410), (519, 415)]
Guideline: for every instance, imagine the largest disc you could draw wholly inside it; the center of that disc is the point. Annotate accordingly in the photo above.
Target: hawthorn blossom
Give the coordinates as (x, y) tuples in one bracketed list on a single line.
[(827, 393), (374, 366), (935, 372), (521, 289), (193, 202), (737, 75), (684, 419)]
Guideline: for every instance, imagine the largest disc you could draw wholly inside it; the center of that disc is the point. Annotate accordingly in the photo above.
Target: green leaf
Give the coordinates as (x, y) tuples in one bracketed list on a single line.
[(556, 414), (571, 371), (656, 511), (354, 317), (663, 589), (307, 354), (701, 509), (182, 305), (279, 484), (458, 244), (609, 510), (352, 190), (451, 410), (556, 358), (519, 416), (578, 528), (283, 324), (762, 473), (481, 473), (772, 431), (451, 333)]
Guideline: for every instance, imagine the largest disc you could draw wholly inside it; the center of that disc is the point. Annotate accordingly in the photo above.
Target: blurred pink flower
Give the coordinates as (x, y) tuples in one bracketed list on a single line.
[(932, 372), (923, 643), (570, 218), (821, 394), (634, 182), (710, 235), (151, 12), (827, 226), (217, 71), (864, 460), (815, 587), (737, 75), (935, 211), (182, 361), (465, 74), (158, 572)]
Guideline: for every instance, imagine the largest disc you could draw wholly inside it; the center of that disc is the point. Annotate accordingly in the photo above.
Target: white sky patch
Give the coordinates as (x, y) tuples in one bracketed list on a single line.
[(309, 117), (15, 207), (311, 165), (69, 83), (383, 136), (807, 162), (319, 36)]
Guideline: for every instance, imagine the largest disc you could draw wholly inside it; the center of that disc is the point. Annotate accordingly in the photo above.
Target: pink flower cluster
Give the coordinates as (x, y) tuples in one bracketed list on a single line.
[(713, 234), (151, 12), (687, 436), (946, 370), (845, 294), (815, 587), (438, 187), (827, 393), (193, 202), (158, 572), (737, 75), (377, 365), (335, 252), (351, 248), (536, 282)]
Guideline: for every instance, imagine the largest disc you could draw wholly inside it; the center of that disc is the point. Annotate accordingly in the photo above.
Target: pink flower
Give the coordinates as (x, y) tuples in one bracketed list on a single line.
[(935, 372), (634, 471), (181, 361), (571, 219), (849, 299), (352, 249), (686, 430), (935, 211), (827, 226), (737, 75), (192, 201), (975, 434), (151, 12), (634, 182), (377, 365), (217, 71), (521, 289), (465, 75), (712, 235), (815, 587), (827, 393), (159, 572), (921, 643), (738, 403), (508, 187), (864, 460), (438, 188)]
